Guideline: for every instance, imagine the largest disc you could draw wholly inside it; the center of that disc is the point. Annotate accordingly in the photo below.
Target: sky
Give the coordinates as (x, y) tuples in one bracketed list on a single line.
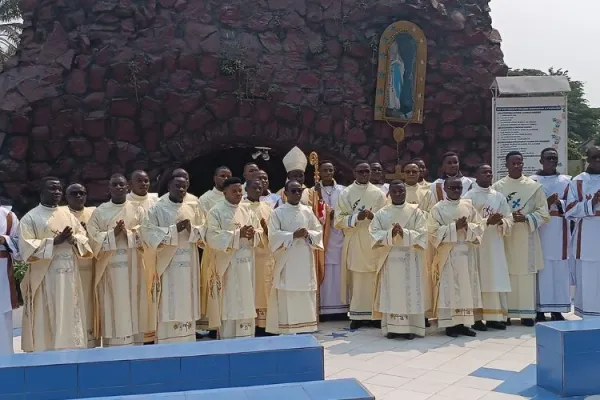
[(539, 34)]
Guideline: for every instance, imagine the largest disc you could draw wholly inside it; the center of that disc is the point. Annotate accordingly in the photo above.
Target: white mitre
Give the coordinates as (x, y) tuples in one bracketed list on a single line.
[(295, 160)]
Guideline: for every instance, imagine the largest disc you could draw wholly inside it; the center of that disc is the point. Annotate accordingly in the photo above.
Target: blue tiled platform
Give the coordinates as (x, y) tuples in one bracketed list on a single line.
[(341, 389), (568, 357), (161, 368)]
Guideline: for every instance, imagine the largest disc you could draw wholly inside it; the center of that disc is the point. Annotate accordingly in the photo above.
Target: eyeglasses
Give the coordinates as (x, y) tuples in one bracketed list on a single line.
[(296, 191)]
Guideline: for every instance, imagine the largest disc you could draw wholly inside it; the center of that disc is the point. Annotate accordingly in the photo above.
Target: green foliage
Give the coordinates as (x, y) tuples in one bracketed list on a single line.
[(20, 267), (10, 29), (584, 121)]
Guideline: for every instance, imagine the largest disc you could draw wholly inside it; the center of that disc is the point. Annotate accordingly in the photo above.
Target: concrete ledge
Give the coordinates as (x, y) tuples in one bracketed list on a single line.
[(342, 389), (161, 368), (568, 357)]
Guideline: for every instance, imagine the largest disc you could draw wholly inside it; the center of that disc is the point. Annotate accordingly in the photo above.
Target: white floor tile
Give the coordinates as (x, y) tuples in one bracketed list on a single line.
[(425, 386), (501, 396), (403, 394), (508, 365), (463, 393), (388, 380), (353, 373), (441, 377), (462, 365), (430, 360), (479, 383), (407, 372), (376, 390)]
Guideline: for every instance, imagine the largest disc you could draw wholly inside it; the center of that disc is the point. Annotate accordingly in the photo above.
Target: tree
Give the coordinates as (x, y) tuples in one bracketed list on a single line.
[(10, 29), (584, 121)]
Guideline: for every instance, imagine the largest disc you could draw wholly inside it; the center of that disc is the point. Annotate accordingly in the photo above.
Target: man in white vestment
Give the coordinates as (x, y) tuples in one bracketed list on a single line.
[(140, 184), (356, 207), (173, 228), (377, 177), (523, 248), (331, 306), (553, 281), (233, 231), (584, 208), (400, 229), (416, 193), (208, 268), (295, 165), (76, 196), (424, 171), (491, 256), (294, 233), (454, 229), (120, 289), (250, 170), (450, 168), (9, 252), (182, 173), (273, 199), (52, 241), (263, 256)]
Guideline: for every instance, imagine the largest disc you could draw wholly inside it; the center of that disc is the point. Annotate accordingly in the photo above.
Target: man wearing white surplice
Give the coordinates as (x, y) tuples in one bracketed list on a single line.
[(9, 252), (553, 281), (52, 241), (120, 289), (401, 230), (233, 230), (491, 256), (294, 234), (455, 228), (355, 210), (523, 248), (584, 208), (173, 229)]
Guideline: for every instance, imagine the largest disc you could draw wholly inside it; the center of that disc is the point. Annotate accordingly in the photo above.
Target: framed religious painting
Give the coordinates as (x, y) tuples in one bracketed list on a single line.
[(401, 73)]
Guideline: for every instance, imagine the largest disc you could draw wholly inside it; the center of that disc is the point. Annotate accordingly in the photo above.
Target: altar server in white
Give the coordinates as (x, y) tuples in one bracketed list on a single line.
[(9, 224), (553, 281)]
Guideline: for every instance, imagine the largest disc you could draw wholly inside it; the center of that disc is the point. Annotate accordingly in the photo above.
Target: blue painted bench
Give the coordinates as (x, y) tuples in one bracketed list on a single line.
[(161, 368), (568, 357), (342, 389)]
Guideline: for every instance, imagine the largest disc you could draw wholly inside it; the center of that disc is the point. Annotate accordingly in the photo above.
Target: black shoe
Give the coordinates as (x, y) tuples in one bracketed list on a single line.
[(199, 336), (540, 317), (527, 322), (408, 336), (212, 334), (391, 336), (508, 322), (375, 324), (355, 324), (479, 326), (451, 332), (501, 326), (259, 332), (556, 316), (427, 324), (465, 331)]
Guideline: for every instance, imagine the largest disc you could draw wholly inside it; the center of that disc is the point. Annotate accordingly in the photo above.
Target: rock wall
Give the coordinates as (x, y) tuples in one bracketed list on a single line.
[(105, 86)]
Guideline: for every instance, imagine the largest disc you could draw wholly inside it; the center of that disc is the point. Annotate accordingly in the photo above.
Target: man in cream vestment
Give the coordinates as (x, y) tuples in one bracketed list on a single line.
[(120, 289), (377, 177), (330, 299), (9, 301), (454, 229), (173, 229), (182, 173), (273, 199), (295, 165), (584, 208), (76, 196), (416, 193), (491, 256), (528, 203), (424, 172), (553, 285), (294, 233), (450, 168), (263, 256), (52, 240), (355, 210), (233, 231), (400, 229), (208, 268)]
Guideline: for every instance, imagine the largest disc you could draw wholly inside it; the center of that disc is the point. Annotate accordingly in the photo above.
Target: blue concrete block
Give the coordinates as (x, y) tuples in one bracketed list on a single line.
[(229, 394), (105, 392), (58, 395), (50, 378), (20, 396), (287, 392), (548, 336), (550, 369), (581, 374), (205, 367), (252, 364), (104, 374), (153, 388), (340, 389), (200, 384), (162, 370), (298, 361), (12, 380)]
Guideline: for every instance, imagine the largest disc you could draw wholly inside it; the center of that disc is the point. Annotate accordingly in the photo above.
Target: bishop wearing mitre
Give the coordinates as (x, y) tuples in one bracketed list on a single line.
[(173, 229), (295, 163)]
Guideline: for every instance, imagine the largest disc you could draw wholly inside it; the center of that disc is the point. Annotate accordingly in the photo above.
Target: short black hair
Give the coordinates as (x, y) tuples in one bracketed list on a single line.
[(117, 176), (249, 164), (287, 184), (449, 154), (231, 181), (512, 153), (138, 171), (358, 162), (479, 166), (452, 178), (222, 167), (417, 159), (251, 181), (47, 179), (547, 149), (326, 162), (408, 163), (589, 150), (375, 162), (397, 182)]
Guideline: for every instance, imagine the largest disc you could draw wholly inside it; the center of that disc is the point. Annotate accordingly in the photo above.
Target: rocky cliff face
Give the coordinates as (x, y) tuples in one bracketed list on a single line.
[(104, 86)]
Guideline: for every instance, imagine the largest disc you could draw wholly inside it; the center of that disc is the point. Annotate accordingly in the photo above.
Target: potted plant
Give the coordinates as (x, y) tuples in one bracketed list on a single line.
[(20, 267)]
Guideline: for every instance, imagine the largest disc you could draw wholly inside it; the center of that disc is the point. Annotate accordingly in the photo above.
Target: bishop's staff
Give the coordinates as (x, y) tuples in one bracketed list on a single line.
[(320, 209)]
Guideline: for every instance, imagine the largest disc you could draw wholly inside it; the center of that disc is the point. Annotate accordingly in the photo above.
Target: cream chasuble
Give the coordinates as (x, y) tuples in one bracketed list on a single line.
[(400, 278), (120, 289), (263, 265), (175, 289), (418, 194), (145, 202), (293, 299), (189, 198), (86, 272), (231, 286), (358, 256), (437, 193), (9, 252), (586, 250), (54, 310), (456, 288), (207, 264), (491, 256), (523, 246), (384, 187)]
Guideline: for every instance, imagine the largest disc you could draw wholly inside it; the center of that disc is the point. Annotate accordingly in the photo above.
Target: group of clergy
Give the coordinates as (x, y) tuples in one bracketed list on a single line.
[(459, 250)]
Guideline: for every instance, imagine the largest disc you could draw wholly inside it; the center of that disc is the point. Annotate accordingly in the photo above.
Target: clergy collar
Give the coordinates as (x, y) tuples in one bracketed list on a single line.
[(362, 184), (333, 183), (47, 207), (217, 191), (458, 175), (517, 179), (137, 197), (118, 205), (76, 211), (477, 187), (541, 172), (399, 205), (175, 202), (231, 204), (453, 201)]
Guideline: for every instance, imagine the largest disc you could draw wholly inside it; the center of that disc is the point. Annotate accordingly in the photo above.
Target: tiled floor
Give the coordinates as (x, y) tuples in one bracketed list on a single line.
[(496, 365)]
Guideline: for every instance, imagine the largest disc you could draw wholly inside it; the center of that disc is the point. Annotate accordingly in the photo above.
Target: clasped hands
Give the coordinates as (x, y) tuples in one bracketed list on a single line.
[(518, 217), (461, 223), (397, 230), (65, 236), (247, 231), (495, 219), (595, 198), (301, 233), (365, 214)]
